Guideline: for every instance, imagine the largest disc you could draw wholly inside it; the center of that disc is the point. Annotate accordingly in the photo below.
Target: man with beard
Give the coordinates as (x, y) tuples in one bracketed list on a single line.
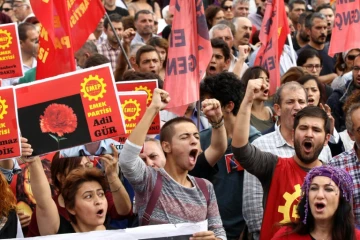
[(220, 60), (328, 12), (144, 24), (111, 48), (316, 28), (281, 178), (289, 99), (301, 37)]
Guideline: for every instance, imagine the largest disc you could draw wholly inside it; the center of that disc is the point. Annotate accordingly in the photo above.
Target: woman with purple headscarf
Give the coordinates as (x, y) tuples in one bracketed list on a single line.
[(325, 209)]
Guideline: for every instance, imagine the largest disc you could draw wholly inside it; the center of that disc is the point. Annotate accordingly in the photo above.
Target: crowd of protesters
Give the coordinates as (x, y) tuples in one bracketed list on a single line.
[(255, 165)]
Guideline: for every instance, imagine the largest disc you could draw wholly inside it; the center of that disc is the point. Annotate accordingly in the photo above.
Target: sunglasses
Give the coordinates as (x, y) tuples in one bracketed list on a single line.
[(351, 57), (6, 9), (226, 8)]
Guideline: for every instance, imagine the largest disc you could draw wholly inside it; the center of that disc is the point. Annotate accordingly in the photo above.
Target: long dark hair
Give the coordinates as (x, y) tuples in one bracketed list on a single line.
[(320, 86), (252, 73), (343, 226)]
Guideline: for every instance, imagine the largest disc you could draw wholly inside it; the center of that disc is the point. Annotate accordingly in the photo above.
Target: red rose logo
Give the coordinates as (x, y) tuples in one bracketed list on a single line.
[(58, 119)]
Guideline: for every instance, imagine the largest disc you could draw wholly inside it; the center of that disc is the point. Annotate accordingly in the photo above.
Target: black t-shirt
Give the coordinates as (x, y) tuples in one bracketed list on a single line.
[(203, 169), (328, 62), (296, 46), (122, 12)]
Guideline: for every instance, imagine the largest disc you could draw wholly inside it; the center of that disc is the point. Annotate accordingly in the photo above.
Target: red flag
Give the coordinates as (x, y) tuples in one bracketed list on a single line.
[(66, 26), (274, 30), (189, 54), (346, 27)]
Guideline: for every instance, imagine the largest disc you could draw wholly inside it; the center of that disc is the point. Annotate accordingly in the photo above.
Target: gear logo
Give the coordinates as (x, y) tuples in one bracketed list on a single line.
[(93, 87), (131, 109), (148, 91), (291, 201), (5, 39), (3, 108)]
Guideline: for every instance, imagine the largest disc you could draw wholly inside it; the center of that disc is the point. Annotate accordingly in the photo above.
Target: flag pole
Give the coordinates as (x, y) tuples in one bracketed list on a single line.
[(198, 113), (119, 41), (291, 49)]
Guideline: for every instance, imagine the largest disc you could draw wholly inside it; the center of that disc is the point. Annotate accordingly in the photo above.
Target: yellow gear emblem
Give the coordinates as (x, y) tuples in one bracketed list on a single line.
[(131, 109), (93, 87), (290, 200), (3, 108), (148, 91), (5, 39)]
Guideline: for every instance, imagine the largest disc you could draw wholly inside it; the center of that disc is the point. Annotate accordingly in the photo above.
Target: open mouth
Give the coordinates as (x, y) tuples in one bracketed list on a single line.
[(100, 212), (308, 146), (212, 68), (266, 91), (319, 206), (311, 101), (193, 154)]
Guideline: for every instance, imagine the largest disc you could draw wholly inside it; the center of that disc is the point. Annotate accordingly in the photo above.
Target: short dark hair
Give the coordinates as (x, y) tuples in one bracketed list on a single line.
[(144, 11), (324, 6), (225, 87), (302, 18), (253, 73), (304, 79), (221, 44), (114, 17), (73, 182), (167, 131), (133, 75), (23, 28), (291, 3), (89, 46), (128, 22), (145, 49), (96, 60), (310, 19), (305, 54), (315, 112)]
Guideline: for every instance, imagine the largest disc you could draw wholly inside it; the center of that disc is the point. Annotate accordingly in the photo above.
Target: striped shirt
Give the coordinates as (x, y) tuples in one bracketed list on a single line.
[(176, 203), (109, 52)]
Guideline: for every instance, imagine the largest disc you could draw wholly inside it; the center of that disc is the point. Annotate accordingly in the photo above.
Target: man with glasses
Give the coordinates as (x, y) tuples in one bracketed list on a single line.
[(22, 10), (316, 28), (339, 96)]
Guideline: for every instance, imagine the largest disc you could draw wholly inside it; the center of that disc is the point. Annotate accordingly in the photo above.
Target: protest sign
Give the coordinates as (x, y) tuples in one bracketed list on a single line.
[(189, 54), (70, 110), (147, 86), (10, 54), (346, 27), (274, 30), (180, 231), (133, 107), (9, 131), (65, 26)]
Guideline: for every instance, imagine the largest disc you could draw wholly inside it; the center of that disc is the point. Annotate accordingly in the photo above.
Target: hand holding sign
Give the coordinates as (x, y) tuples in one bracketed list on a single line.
[(212, 109), (160, 99)]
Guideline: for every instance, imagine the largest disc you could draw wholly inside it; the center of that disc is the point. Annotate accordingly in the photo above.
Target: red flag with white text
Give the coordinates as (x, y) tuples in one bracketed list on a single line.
[(66, 25), (274, 30), (189, 54), (346, 27)]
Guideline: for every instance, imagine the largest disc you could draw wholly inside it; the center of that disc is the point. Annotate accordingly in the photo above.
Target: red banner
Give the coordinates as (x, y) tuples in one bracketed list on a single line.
[(188, 56), (274, 30), (70, 110), (9, 130), (10, 53), (346, 27), (66, 25), (147, 86)]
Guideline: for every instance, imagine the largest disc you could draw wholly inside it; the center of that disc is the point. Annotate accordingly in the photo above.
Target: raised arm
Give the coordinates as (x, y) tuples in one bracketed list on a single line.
[(47, 214), (120, 196), (218, 145), (121, 64), (244, 51), (242, 122)]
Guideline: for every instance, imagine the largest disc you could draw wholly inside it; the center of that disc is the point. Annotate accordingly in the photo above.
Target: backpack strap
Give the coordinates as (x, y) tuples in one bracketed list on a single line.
[(145, 220), (204, 189)]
